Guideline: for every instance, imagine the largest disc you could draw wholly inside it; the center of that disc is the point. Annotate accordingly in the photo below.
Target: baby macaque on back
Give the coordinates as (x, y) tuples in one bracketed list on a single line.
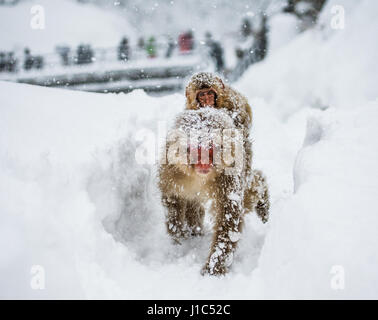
[(208, 156)]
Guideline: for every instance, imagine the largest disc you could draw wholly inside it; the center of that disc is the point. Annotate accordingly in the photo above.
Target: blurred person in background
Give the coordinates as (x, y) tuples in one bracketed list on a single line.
[(186, 42), (170, 47), (124, 50), (215, 51), (151, 47)]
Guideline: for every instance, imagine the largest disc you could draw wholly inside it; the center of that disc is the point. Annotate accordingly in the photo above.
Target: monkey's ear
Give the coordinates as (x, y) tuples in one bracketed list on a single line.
[(187, 93), (221, 83)]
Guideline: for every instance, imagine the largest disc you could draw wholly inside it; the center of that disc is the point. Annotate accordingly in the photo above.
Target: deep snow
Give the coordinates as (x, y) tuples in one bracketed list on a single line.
[(74, 200)]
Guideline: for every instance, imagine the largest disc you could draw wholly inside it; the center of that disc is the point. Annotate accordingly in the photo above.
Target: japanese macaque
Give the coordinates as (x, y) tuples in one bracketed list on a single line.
[(208, 157)]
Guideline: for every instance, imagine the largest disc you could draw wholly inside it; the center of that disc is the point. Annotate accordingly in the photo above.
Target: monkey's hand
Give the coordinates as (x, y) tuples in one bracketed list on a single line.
[(218, 269), (262, 210), (228, 225), (220, 258), (261, 195)]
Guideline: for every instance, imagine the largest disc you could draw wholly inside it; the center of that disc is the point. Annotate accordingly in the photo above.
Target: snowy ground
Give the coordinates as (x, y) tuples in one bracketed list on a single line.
[(74, 201), (68, 173)]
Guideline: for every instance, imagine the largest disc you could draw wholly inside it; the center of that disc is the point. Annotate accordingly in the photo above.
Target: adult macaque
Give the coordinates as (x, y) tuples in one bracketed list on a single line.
[(208, 156)]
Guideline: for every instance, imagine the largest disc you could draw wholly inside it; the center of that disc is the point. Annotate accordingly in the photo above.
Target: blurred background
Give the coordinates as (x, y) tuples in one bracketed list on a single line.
[(118, 46)]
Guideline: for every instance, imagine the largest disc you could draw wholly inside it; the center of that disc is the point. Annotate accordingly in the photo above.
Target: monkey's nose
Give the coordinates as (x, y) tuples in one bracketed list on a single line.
[(195, 153), (202, 165)]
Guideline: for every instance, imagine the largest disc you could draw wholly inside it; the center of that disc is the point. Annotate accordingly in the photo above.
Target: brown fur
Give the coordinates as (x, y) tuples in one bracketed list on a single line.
[(227, 98), (184, 192)]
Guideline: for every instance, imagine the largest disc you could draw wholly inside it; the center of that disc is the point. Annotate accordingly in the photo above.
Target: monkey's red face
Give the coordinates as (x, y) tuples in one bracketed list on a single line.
[(203, 163), (206, 97)]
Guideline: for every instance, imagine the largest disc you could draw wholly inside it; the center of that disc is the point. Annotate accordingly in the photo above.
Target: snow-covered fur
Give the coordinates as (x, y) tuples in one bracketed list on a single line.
[(185, 191), (226, 98)]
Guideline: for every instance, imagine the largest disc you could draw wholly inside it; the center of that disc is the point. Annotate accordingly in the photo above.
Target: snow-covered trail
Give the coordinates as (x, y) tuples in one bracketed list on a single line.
[(69, 173)]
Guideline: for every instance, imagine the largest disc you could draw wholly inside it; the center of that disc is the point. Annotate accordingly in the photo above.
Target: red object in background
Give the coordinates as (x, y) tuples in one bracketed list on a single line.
[(185, 42)]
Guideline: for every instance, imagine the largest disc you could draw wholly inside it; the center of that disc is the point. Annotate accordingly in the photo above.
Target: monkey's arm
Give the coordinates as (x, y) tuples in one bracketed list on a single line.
[(256, 196), (261, 195), (175, 217), (228, 225)]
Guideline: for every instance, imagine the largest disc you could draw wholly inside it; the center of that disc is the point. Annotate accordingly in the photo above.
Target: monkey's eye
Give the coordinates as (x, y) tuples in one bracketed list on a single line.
[(210, 92)]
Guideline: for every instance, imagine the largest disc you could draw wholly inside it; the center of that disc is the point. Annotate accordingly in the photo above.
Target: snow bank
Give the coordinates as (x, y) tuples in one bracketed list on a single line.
[(322, 67), (321, 242), (74, 201), (66, 22), (282, 29), (329, 223)]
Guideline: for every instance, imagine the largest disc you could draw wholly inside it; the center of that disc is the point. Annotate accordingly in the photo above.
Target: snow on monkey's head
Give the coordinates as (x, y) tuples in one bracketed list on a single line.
[(204, 89), (199, 134)]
